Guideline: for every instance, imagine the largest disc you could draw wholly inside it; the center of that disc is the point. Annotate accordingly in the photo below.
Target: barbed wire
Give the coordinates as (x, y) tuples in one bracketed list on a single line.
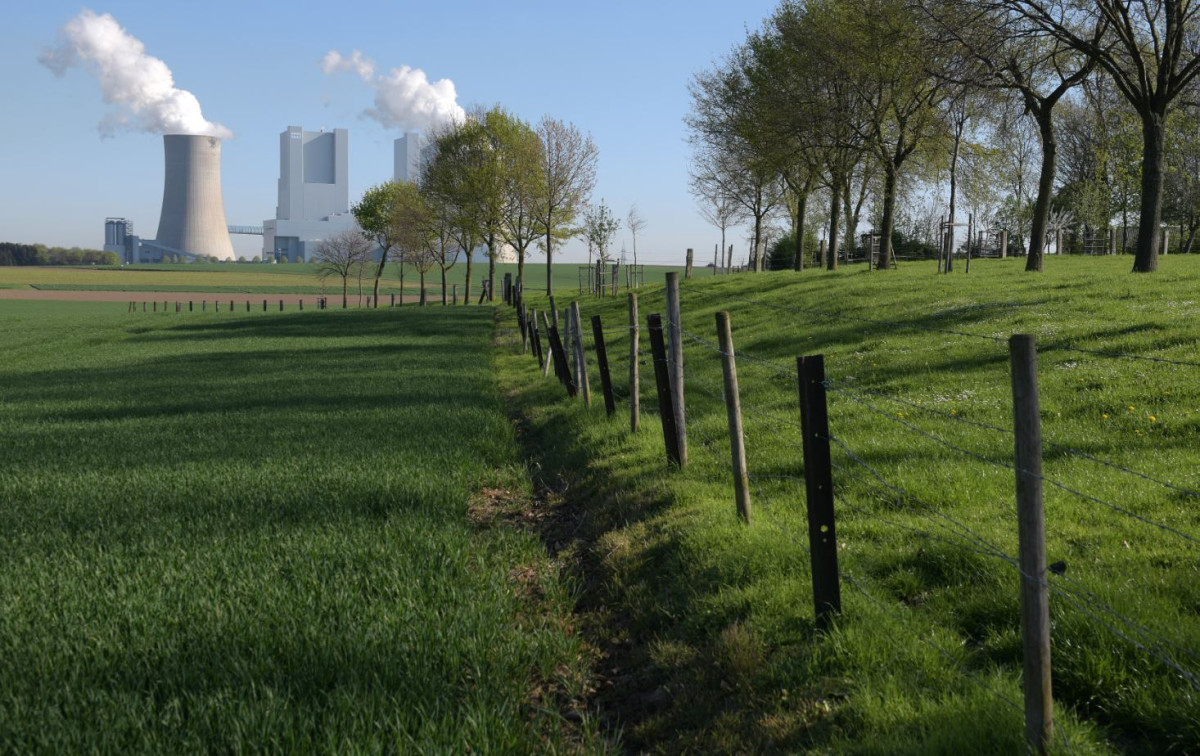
[(843, 387)]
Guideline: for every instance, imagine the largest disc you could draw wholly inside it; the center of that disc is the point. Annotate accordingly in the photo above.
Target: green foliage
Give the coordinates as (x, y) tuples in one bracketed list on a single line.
[(198, 561), (376, 214), (39, 254)]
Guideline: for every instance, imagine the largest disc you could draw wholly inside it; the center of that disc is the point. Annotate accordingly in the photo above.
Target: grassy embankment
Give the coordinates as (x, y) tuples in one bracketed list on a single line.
[(251, 533), (710, 621), (279, 279)]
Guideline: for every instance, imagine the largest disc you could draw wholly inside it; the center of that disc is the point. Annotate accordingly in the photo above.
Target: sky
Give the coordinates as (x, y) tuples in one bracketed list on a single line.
[(618, 70)]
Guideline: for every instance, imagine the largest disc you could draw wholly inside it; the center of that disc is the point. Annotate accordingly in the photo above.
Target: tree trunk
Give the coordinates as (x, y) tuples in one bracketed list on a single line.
[(491, 245), (889, 217), (1041, 206), (379, 274), (549, 266), (835, 219), (467, 298), (422, 274), (1153, 168), (521, 270), (345, 292), (851, 221), (724, 264), (757, 242), (443, 287), (402, 284), (801, 211)]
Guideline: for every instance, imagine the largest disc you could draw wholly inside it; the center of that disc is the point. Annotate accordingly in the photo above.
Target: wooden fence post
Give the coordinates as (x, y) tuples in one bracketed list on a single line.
[(634, 379), (560, 362), (581, 371), (300, 302), (687, 270), (1031, 536), (610, 404), (549, 358), (281, 305), (554, 311), (662, 380), (675, 363), (264, 305), (189, 305), (733, 409), (818, 483)]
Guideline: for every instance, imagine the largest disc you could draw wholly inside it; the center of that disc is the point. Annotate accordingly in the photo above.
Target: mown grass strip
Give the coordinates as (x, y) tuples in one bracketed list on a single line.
[(722, 653)]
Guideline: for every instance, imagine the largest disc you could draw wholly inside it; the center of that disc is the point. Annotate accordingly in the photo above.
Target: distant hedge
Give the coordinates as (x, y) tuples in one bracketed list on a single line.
[(40, 254)]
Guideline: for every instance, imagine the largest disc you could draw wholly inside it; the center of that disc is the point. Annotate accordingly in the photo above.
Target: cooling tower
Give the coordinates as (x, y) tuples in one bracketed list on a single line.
[(193, 214)]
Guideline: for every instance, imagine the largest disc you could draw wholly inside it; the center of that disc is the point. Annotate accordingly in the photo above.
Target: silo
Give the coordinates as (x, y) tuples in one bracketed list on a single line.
[(193, 214)]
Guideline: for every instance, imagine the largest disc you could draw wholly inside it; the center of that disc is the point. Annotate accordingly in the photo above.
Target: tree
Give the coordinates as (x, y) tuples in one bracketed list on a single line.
[(599, 227), (1002, 49), (636, 224), (568, 176), (452, 185), (376, 216), (342, 255), (522, 179), (1151, 50), (719, 209), (732, 158)]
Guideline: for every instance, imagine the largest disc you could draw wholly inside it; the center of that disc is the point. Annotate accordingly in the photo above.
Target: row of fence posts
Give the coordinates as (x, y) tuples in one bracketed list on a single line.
[(666, 346), (322, 303)]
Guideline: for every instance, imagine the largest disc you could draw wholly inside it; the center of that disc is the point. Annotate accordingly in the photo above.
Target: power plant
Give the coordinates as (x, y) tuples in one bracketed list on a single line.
[(193, 215), (192, 222)]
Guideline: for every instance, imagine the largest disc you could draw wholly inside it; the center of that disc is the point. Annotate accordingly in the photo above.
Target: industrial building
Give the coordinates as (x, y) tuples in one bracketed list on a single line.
[(314, 193), (191, 224)]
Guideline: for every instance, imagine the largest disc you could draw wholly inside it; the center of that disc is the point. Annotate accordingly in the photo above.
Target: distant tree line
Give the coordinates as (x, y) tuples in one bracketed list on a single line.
[(1038, 117), (39, 254)]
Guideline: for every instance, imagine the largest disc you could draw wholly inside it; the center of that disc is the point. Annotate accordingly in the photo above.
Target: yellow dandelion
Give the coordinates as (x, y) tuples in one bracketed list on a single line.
[(1104, 415), (953, 412), (1131, 408), (1153, 419)]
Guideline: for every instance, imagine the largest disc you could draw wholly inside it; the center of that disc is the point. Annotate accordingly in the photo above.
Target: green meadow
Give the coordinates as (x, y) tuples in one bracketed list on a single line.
[(288, 278), (273, 532), (709, 621)]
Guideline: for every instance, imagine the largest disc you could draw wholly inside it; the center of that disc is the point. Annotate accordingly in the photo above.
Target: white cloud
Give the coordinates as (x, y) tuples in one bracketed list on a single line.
[(140, 85)]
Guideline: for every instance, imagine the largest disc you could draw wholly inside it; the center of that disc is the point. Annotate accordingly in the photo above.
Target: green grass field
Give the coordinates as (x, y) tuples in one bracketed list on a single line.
[(712, 620), (279, 279), (225, 534)]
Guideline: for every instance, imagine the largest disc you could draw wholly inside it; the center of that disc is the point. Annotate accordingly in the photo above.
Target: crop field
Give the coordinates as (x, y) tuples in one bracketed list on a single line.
[(278, 279), (716, 617), (240, 533)]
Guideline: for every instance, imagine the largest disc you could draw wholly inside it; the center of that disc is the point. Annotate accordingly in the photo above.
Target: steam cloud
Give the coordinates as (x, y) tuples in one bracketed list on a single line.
[(404, 97), (140, 85)]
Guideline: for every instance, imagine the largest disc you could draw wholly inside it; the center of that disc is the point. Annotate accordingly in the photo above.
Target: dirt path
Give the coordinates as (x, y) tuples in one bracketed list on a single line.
[(197, 297)]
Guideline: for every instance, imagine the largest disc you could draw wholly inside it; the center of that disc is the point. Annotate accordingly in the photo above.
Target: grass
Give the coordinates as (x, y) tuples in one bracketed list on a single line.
[(226, 533), (710, 621), (273, 279)]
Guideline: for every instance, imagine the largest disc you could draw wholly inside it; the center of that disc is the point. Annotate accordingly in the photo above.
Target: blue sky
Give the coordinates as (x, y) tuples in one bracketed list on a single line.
[(618, 70)]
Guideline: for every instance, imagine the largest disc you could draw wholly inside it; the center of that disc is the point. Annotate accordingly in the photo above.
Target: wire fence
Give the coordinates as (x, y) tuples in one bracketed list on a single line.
[(875, 485)]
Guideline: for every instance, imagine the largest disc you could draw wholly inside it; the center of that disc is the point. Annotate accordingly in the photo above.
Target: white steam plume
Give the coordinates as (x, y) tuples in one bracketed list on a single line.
[(404, 97), (140, 85)]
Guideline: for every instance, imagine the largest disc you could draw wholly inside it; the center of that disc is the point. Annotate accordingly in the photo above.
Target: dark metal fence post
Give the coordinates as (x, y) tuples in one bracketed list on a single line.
[(818, 480), (610, 404)]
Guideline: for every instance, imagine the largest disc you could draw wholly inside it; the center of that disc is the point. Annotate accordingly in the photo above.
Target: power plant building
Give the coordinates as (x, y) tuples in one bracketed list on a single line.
[(191, 224), (407, 157), (314, 193)]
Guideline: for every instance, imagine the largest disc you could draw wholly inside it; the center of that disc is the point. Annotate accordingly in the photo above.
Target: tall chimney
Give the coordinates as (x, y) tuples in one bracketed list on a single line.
[(193, 214)]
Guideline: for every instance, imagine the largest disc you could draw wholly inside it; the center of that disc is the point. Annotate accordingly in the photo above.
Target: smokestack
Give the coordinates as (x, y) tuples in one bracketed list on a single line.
[(193, 214)]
